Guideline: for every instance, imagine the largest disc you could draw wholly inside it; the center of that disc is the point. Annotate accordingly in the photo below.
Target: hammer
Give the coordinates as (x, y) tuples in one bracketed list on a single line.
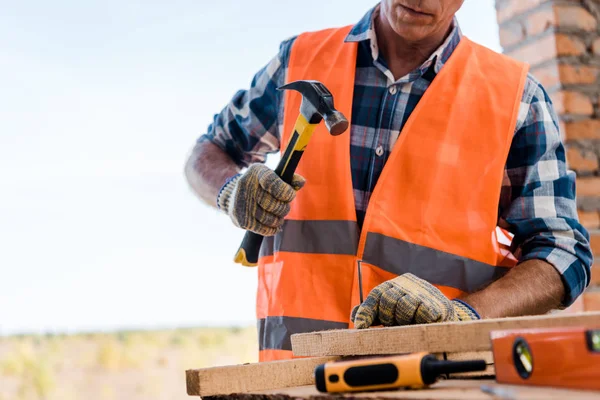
[(317, 105)]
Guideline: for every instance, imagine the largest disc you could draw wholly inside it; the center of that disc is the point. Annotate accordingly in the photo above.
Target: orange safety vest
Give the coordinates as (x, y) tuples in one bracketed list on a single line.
[(434, 209)]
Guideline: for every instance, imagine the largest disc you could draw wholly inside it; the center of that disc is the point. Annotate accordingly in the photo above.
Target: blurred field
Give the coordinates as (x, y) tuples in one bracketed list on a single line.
[(147, 365)]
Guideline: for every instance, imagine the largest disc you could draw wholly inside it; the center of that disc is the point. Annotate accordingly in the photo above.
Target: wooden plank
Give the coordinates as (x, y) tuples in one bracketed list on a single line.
[(443, 390), (488, 356), (281, 374), (434, 338), (252, 377)]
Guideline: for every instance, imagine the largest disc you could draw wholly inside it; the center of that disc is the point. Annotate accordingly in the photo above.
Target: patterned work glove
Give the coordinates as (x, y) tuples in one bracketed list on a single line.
[(409, 300), (258, 200)]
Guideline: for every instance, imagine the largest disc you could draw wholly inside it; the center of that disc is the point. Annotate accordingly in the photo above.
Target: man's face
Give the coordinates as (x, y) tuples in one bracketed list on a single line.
[(417, 19)]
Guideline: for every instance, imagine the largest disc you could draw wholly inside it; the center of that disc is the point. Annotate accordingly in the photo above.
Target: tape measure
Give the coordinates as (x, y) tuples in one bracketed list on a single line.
[(557, 357), (413, 371)]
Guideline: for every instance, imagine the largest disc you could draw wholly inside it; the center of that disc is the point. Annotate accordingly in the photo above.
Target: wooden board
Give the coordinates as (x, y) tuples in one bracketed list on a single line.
[(435, 338), (252, 377), (488, 356), (443, 390), (282, 374)]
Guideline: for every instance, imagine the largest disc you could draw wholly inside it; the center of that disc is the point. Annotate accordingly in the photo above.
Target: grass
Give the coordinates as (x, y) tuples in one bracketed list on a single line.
[(31, 364), (123, 365)]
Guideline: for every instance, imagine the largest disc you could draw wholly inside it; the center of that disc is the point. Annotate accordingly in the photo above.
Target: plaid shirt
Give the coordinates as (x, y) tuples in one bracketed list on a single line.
[(537, 201)]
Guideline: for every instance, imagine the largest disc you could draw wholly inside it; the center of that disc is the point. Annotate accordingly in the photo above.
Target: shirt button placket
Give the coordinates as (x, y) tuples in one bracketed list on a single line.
[(393, 89)]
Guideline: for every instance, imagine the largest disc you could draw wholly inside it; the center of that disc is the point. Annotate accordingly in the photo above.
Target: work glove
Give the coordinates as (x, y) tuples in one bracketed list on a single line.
[(406, 300), (258, 200)]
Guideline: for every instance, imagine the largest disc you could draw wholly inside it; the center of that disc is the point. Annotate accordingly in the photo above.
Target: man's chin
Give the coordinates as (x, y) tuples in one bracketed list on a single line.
[(412, 32)]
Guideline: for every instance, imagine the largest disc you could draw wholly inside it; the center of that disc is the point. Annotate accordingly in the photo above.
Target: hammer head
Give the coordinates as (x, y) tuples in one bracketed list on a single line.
[(317, 104)]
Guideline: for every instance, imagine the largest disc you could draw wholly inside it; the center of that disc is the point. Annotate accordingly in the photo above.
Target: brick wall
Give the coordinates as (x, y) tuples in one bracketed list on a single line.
[(561, 41)]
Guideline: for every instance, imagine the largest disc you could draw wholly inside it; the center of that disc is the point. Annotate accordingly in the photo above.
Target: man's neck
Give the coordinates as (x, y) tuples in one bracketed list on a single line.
[(402, 55)]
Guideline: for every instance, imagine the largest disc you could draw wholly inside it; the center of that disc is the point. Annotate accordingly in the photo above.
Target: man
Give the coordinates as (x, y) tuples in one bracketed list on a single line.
[(451, 146)]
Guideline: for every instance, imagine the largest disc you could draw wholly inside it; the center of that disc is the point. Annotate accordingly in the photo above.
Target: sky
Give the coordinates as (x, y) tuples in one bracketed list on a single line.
[(100, 104)]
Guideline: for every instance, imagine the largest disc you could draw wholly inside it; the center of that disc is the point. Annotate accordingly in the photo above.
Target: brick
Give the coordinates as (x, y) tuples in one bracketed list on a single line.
[(567, 45), (511, 35), (575, 16), (578, 74), (536, 52), (595, 281), (544, 18), (511, 8), (591, 300), (588, 186), (586, 129), (540, 21), (581, 160), (553, 75), (569, 102), (547, 48), (548, 76), (577, 307), (590, 220), (595, 242), (596, 47), (588, 203)]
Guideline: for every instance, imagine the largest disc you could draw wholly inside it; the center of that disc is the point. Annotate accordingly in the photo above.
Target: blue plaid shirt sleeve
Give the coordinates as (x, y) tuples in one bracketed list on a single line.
[(537, 202), (248, 127)]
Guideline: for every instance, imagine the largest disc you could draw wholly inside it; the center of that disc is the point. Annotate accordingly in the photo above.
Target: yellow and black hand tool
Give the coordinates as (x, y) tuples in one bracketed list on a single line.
[(317, 105), (413, 371)]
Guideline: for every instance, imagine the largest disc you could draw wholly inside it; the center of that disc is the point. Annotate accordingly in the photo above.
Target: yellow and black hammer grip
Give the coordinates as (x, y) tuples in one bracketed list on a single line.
[(248, 253)]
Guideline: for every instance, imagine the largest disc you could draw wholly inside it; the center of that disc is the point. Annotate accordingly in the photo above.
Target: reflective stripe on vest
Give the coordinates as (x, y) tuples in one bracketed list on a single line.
[(320, 237), (433, 212), (390, 254), (399, 257), (274, 333)]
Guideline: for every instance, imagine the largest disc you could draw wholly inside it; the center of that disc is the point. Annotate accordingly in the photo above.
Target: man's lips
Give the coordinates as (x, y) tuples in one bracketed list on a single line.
[(412, 11)]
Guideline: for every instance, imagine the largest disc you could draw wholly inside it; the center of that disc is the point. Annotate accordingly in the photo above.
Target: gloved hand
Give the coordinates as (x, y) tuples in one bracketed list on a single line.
[(258, 200), (406, 300)]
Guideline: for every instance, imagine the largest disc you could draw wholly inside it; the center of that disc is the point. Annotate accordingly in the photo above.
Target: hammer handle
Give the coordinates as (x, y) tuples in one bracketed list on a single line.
[(248, 253)]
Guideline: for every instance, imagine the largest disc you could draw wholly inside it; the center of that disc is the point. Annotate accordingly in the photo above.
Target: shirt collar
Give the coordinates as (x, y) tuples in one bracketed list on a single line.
[(365, 30)]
